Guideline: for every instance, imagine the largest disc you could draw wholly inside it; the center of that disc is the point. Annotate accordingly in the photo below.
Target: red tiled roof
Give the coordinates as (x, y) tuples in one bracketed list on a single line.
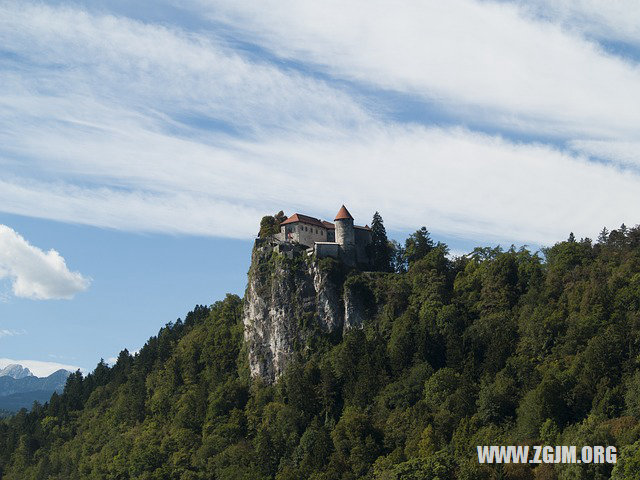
[(328, 225), (343, 214), (298, 217)]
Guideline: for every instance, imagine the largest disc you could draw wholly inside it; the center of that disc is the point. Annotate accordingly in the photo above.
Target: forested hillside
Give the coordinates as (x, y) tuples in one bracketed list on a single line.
[(498, 347)]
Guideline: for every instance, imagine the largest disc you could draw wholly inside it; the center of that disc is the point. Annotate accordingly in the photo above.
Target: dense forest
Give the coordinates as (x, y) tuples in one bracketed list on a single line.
[(496, 347)]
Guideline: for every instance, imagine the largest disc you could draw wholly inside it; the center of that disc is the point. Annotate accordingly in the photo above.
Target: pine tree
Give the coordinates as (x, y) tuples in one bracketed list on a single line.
[(398, 261), (380, 252), (604, 236), (418, 245)]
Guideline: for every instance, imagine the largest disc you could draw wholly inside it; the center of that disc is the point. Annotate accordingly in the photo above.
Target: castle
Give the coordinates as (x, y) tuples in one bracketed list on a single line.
[(341, 240)]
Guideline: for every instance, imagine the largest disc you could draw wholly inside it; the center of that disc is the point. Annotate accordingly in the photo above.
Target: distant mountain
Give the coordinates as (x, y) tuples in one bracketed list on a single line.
[(15, 371), (21, 392), (10, 404)]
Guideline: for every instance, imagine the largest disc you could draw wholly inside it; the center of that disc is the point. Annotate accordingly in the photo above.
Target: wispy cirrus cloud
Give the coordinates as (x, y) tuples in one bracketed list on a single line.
[(11, 333), (486, 61), (622, 152), (612, 21), (465, 183), (98, 71), (118, 123)]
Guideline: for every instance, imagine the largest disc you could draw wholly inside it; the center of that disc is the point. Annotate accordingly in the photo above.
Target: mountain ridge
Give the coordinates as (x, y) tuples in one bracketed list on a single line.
[(15, 371), (53, 382), (21, 392)]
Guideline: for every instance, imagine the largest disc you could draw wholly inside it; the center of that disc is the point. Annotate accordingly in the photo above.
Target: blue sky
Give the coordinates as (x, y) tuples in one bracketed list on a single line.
[(141, 142)]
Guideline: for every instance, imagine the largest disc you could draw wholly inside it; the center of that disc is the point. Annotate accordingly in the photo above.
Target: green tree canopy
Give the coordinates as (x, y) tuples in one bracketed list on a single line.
[(270, 224), (418, 245), (380, 248)]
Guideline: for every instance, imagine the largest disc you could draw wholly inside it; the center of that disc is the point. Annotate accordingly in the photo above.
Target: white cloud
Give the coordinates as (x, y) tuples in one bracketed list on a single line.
[(620, 152), (116, 123), (617, 20), (104, 72), (11, 333), (156, 211), (39, 368), (464, 183), (485, 60), (457, 181), (34, 273)]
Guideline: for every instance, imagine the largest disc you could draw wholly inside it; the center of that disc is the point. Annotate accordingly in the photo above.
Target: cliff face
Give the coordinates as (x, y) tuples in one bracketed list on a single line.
[(290, 298)]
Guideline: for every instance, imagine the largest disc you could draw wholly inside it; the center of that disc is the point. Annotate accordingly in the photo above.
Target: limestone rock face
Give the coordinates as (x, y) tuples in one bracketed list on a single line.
[(354, 310), (289, 299)]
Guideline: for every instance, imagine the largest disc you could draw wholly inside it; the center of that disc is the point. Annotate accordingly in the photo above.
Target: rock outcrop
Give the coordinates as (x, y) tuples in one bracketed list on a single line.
[(291, 298)]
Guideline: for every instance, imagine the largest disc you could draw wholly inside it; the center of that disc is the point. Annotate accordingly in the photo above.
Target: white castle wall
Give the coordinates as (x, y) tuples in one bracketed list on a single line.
[(346, 241), (304, 234)]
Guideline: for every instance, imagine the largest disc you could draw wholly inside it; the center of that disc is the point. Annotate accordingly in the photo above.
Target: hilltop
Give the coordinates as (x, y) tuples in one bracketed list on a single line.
[(395, 372)]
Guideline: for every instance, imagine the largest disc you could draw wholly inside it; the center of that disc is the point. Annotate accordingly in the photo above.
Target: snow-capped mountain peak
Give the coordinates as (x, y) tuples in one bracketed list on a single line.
[(15, 371)]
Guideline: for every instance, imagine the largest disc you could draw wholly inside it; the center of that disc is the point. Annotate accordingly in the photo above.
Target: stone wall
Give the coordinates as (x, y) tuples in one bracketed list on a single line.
[(363, 239), (304, 234), (326, 249)]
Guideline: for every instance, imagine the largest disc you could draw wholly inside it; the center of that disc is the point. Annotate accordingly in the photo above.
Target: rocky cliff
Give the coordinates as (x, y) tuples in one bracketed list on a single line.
[(291, 299)]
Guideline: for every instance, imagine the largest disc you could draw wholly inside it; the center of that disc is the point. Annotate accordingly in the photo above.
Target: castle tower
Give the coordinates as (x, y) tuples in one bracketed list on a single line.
[(345, 234)]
